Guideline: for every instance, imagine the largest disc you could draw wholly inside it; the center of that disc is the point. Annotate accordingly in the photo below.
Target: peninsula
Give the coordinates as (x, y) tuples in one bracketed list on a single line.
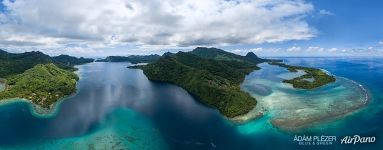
[(38, 77), (43, 84), (212, 75)]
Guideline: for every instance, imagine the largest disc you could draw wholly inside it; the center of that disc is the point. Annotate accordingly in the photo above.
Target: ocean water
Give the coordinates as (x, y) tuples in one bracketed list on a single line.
[(119, 108)]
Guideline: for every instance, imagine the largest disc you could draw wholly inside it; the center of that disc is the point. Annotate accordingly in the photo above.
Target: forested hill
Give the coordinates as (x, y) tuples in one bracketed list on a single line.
[(71, 61), (43, 84), (212, 75), (134, 59), (219, 54), (16, 63)]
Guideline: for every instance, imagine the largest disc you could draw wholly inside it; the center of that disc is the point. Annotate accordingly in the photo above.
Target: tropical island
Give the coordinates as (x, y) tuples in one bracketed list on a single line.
[(38, 77), (313, 78), (212, 75)]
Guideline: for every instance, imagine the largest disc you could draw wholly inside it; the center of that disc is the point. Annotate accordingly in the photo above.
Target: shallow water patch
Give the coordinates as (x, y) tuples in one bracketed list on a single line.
[(291, 109)]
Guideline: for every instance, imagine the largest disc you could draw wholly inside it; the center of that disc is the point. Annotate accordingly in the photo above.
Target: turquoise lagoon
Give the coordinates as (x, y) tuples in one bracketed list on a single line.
[(294, 109), (119, 108)]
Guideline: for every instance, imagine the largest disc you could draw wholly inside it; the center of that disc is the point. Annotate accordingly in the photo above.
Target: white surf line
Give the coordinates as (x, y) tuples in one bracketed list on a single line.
[(367, 97)]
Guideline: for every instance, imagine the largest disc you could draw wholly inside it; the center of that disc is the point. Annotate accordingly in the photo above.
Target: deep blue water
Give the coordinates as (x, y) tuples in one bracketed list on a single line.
[(161, 114)]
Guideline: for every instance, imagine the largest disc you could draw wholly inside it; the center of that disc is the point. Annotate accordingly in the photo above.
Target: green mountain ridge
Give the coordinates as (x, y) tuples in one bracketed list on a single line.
[(218, 54), (210, 74), (134, 59), (67, 60), (16, 63)]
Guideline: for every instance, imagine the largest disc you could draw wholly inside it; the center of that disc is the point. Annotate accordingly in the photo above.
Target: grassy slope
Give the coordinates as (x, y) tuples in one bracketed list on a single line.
[(214, 82), (320, 77), (43, 84)]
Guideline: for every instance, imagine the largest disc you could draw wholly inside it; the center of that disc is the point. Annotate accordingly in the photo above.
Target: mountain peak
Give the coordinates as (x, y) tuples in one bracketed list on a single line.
[(251, 54), (168, 54)]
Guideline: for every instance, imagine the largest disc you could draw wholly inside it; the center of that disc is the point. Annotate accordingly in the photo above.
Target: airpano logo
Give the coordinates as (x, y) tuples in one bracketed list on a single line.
[(306, 140), (357, 139)]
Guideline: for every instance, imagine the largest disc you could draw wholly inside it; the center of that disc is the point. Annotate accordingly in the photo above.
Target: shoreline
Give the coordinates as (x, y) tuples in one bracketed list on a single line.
[(37, 110), (34, 109), (254, 114), (296, 125)]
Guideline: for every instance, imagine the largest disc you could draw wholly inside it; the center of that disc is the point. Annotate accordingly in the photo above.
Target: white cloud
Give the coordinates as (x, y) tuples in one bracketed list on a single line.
[(351, 51), (169, 23), (380, 42), (294, 49), (333, 49), (315, 49), (245, 51), (238, 51), (325, 12), (258, 49)]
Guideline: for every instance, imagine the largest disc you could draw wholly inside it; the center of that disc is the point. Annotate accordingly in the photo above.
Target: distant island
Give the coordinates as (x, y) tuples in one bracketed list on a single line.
[(210, 74), (38, 77), (313, 78), (134, 59)]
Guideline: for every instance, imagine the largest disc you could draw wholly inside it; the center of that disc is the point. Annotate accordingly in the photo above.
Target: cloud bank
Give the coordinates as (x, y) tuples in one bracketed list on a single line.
[(94, 24)]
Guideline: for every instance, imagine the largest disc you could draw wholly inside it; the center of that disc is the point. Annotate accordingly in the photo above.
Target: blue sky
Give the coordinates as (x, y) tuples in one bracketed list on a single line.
[(123, 27), (349, 24)]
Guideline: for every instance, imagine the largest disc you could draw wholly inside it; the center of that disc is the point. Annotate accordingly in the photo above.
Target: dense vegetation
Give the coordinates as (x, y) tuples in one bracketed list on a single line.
[(212, 75), (43, 84), (16, 63), (134, 59), (67, 60), (11, 64), (218, 54), (38, 77), (319, 77), (167, 54)]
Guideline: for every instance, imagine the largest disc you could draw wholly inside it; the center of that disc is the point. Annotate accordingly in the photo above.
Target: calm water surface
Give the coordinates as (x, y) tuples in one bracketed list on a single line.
[(116, 107)]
